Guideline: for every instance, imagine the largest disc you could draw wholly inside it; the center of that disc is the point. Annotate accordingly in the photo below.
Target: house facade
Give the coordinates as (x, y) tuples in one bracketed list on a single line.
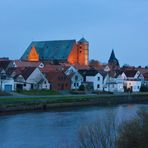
[(6, 82), (76, 80), (58, 80), (29, 78), (133, 80), (94, 78), (114, 84)]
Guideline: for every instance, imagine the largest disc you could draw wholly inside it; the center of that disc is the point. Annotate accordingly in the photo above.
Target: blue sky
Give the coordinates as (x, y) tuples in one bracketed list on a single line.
[(106, 24)]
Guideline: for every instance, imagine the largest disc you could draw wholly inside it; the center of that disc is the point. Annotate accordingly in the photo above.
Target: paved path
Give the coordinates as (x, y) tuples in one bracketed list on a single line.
[(17, 95)]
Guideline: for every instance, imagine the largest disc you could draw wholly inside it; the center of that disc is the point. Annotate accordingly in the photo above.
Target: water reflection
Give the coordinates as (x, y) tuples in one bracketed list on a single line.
[(55, 129)]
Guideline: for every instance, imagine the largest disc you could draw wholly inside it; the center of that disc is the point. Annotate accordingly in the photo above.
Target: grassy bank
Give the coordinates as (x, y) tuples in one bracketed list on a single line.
[(25, 104)]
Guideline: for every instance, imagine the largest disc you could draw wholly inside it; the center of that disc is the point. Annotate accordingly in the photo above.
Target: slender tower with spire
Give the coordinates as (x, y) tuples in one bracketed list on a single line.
[(113, 61)]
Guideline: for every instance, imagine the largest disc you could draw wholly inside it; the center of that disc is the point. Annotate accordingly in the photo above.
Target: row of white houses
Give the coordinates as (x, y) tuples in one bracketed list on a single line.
[(120, 81), (27, 78)]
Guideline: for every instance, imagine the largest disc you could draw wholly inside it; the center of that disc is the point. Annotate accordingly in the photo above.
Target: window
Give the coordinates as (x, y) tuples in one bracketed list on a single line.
[(77, 84), (66, 85), (74, 84), (98, 78), (76, 78), (24, 84), (98, 86)]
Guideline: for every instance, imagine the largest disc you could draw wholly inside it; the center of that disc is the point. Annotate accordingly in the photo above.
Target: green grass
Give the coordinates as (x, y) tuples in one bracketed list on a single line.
[(52, 99), (76, 98), (39, 92)]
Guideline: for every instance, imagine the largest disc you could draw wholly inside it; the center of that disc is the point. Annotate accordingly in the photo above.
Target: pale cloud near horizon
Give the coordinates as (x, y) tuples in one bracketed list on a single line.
[(106, 24)]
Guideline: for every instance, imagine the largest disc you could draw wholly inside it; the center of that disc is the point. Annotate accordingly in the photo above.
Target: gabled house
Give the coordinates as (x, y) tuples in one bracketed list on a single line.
[(70, 70), (29, 78), (114, 82), (58, 80), (6, 82), (94, 78), (5, 64), (75, 76), (76, 80), (133, 80)]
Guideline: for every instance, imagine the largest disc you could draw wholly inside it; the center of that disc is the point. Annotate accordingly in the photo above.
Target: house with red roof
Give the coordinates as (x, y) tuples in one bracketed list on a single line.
[(58, 80), (28, 78)]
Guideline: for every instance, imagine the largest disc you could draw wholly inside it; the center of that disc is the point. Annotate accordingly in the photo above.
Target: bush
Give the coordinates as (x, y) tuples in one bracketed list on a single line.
[(99, 134), (144, 88), (107, 132), (134, 133), (82, 88)]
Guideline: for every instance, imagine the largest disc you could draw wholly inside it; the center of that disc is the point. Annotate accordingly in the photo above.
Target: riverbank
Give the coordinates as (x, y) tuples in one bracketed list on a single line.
[(10, 104)]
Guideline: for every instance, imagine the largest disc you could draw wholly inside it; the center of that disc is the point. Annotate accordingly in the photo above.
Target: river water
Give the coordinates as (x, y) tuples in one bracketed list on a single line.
[(54, 129)]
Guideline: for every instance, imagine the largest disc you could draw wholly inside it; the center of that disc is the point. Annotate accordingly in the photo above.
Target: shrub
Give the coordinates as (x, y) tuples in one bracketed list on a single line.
[(107, 132), (144, 88), (134, 133), (82, 88)]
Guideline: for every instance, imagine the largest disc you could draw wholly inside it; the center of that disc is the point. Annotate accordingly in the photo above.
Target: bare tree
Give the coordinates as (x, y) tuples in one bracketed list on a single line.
[(100, 134), (134, 133)]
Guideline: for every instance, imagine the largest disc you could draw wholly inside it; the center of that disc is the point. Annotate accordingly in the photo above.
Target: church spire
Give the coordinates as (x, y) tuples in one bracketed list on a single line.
[(112, 56), (113, 61)]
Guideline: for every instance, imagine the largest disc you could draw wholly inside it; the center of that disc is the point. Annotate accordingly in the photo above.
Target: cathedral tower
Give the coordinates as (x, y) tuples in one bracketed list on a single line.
[(83, 51)]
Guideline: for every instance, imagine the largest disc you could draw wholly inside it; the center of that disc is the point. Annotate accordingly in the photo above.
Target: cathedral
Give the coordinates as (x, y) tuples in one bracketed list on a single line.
[(71, 51)]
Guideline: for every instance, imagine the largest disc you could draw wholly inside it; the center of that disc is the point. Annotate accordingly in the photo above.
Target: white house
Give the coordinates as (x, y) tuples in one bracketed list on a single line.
[(6, 82), (75, 76), (133, 80), (96, 77), (37, 81), (70, 70), (123, 81), (29, 78), (76, 80), (114, 83)]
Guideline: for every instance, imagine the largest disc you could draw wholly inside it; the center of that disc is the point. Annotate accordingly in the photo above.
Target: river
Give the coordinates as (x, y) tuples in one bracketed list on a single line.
[(54, 129)]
